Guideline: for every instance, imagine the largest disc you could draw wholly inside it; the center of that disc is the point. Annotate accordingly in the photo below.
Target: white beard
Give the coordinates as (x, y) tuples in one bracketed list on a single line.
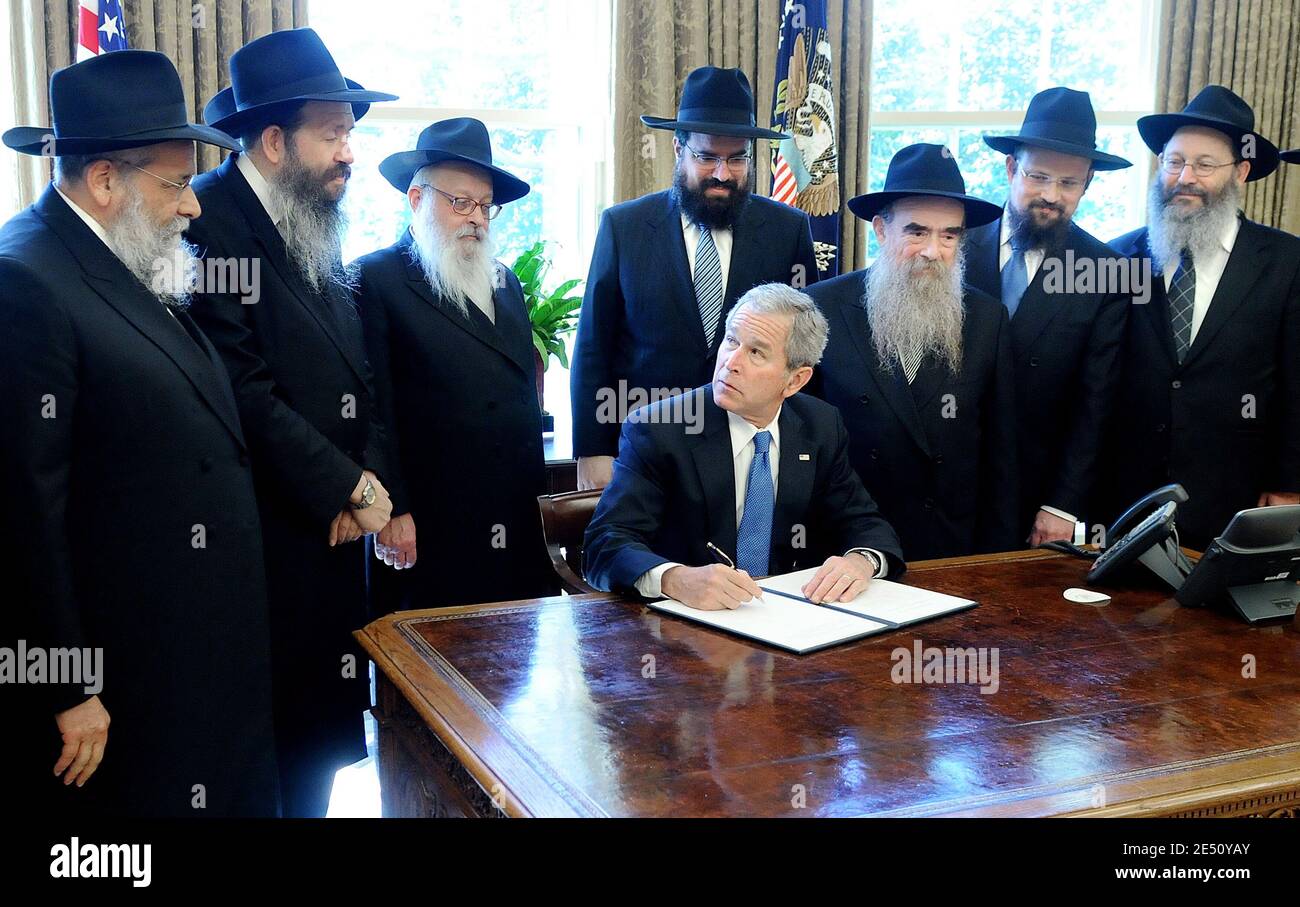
[(156, 254), (456, 271), (915, 308), (1170, 230)]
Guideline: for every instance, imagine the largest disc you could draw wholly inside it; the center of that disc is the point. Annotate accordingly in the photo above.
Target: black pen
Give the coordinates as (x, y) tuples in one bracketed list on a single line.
[(720, 554)]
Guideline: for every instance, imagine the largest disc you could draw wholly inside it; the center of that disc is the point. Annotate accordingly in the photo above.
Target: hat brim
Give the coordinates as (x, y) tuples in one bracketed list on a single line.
[(399, 169), (1291, 157), (1008, 144), (38, 141), (1157, 129), (735, 130), (218, 114), (978, 211)]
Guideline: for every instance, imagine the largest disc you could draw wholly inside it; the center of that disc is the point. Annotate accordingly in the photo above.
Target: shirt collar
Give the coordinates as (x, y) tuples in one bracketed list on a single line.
[(1005, 221), (93, 224), (1228, 238), (688, 224), (261, 188), (743, 431)]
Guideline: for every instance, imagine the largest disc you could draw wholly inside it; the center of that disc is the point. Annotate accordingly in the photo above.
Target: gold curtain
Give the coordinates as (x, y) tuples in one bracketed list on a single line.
[(1252, 47), (198, 35), (657, 44)]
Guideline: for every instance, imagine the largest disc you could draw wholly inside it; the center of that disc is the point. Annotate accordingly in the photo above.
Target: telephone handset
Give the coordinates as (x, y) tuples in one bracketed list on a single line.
[(1144, 533)]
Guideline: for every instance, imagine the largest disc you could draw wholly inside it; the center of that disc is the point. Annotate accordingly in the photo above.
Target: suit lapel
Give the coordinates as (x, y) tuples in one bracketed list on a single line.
[(982, 258), (715, 464), (1038, 308), (1155, 314), (474, 322), (323, 308), (892, 387), (794, 483), (1246, 266), (670, 250), (109, 279)]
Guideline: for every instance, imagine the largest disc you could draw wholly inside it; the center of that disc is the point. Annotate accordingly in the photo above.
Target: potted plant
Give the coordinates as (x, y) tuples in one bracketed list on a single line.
[(553, 316)]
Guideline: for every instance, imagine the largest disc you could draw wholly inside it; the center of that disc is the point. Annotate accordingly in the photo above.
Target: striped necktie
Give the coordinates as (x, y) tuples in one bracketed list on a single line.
[(754, 537), (1182, 300), (708, 282)]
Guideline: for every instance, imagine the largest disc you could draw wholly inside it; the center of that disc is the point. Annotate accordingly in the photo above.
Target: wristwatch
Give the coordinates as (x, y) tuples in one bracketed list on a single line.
[(367, 497)]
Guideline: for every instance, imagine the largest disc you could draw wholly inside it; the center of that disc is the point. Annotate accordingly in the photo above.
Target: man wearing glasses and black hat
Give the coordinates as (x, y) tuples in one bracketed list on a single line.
[(1210, 382), (139, 549), (451, 344), (1065, 331), (668, 267), (296, 356)]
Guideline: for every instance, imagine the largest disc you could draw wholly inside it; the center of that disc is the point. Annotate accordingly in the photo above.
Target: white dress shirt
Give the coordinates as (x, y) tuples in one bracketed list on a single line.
[(261, 188), (1209, 271), (742, 431), (722, 242), (1033, 261)]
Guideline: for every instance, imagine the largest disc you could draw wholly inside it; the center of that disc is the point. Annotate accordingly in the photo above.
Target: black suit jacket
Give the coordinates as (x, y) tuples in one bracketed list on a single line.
[(1226, 422), (1065, 348), (459, 403), (138, 532), (673, 491), (939, 456), (297, 363), (640, 321)]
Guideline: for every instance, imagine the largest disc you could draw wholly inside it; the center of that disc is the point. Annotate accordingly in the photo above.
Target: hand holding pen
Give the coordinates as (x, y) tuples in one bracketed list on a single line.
[(712, 588)]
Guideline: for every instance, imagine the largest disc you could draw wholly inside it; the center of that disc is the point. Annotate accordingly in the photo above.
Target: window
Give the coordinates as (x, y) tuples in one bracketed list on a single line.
[(951, 72), (9, 173), (536, 72)]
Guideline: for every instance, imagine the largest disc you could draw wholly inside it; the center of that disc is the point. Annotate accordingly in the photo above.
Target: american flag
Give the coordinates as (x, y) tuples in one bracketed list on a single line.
[(101, 28)]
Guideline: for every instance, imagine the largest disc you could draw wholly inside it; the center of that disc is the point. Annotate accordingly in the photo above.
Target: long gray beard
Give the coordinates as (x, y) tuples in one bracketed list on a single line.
[(451, 275), (1170, 231), (156, 254), (915, 308), (313, 226)]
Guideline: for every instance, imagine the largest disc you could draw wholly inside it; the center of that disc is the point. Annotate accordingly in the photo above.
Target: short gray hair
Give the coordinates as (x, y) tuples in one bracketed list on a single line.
[(808, 329), (71, 168)]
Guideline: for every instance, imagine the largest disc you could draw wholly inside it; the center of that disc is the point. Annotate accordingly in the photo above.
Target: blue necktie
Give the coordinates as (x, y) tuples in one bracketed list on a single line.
[(754, 538), (1015, 280), (1182, 302)]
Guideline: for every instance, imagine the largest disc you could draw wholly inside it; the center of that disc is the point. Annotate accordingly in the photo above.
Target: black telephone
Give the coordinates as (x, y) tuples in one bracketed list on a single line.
[(1144, 533)]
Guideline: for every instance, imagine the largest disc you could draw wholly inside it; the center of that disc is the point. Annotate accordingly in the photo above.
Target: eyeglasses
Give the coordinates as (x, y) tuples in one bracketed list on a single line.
[(179, 187), (465, 206), (1069, 184), (711, 161), (1202, 167)]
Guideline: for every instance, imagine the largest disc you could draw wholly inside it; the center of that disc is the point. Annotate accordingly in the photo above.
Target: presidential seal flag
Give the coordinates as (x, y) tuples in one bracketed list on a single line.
[(805, 167)]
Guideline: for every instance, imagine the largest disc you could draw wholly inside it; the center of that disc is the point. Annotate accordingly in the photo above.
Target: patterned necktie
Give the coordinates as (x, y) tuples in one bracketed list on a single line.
[(1015, 280), (754, 538), (708, 282), (1182, 299), (911, 363)]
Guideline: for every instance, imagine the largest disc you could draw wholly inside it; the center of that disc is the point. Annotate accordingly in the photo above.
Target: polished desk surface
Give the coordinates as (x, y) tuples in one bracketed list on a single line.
[(594, 705)]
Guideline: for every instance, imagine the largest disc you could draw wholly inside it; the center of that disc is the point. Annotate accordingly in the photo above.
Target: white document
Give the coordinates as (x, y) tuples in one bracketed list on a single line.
[(783, 618)]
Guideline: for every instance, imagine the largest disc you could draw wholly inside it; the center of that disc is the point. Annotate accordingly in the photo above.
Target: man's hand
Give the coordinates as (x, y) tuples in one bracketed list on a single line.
[(711, 588), (395, 544), (376, 516), (345, 528), (840, 579), (1049, 527), (1277, 498), (594, 472), (85, 734)]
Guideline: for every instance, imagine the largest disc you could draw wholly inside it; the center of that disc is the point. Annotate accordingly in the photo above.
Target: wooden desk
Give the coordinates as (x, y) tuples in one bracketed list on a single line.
[(593, 705)]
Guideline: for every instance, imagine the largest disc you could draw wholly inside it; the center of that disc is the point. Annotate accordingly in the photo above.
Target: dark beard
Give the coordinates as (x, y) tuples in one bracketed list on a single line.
[(1025, 234), (707, 212), (312, 220)]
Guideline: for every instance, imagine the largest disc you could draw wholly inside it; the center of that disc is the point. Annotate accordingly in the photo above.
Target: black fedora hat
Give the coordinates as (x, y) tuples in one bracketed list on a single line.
[(1215, 107), (114, 101), (1291, 157), (716, 102), (928, 170), (463, 139), (278, 69), (1060, 119)]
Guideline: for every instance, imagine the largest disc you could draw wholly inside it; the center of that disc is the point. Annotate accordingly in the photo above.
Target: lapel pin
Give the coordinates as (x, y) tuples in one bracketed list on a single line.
[(805, 457)]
